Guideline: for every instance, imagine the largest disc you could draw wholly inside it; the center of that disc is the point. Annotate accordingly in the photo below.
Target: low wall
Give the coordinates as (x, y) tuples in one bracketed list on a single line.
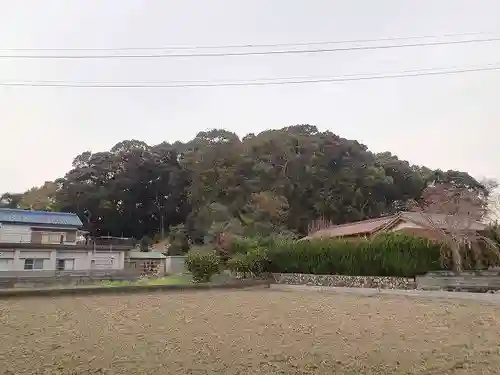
[(68, 273), (238, 284), (380, 282), (472, 281), (175, 264), (10, 279)]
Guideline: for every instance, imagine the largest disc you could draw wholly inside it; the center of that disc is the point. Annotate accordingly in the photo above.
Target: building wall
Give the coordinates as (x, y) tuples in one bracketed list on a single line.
[(80, 260), (6, 260), (175, 264), (141, 265), (416, 230), (23, 233), (14, 260), (15, 233), (108, 260), (48, 258), (405, 225)]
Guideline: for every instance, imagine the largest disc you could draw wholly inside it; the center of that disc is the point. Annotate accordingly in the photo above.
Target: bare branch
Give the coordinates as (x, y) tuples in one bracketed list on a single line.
[(456, 216), (319, 224)]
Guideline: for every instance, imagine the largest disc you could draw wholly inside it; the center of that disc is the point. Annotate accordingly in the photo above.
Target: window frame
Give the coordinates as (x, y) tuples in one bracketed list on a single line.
[(65, 262), (33, 264), (53, 238), (58, 263)]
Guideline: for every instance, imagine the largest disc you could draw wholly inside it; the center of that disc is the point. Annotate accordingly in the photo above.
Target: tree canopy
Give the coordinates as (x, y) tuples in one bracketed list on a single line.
[(277, 180)]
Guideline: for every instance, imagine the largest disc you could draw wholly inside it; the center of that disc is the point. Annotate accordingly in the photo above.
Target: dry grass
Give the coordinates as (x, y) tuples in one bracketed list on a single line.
[(247, 332)]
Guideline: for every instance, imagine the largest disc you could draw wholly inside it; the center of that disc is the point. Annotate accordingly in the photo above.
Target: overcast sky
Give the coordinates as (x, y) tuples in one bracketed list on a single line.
[(450, 122)]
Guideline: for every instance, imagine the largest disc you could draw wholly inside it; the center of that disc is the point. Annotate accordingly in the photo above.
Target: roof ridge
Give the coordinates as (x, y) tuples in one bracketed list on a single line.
[(361, 221)]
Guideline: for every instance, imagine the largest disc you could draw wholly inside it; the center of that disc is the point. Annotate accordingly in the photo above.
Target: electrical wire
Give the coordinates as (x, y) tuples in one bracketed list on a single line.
[(266, 79), (252, 53), (238, 46), (283, 81)]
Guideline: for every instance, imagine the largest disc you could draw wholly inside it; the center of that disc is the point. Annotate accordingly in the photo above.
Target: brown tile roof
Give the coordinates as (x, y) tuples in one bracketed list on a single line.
[(372, 225), (356, 228)]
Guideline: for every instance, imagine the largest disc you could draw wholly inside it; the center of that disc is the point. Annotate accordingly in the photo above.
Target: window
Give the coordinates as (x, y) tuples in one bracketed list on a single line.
[(69, 264), (65, 264), (60, 264), (71, 237), (33, 264), (52, 237)]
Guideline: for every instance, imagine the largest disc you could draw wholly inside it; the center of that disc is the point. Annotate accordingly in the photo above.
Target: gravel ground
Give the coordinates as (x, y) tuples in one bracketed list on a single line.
[(247, 332)]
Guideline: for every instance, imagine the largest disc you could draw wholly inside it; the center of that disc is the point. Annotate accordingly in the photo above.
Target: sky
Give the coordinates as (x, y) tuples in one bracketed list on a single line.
[(447, 122)]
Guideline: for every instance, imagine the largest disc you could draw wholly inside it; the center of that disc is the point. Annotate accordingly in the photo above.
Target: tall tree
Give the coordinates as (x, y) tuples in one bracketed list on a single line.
[(10, 200), (279, 179), (40, 198)]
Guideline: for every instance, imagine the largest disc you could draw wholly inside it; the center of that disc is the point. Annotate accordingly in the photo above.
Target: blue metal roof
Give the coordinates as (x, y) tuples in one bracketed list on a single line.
[(9, 215)]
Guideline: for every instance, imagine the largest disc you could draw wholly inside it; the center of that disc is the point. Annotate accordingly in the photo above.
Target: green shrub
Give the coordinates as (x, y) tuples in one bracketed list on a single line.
[(239, 263), (242, 245), (255, 262), (202, 265), (178, 240)]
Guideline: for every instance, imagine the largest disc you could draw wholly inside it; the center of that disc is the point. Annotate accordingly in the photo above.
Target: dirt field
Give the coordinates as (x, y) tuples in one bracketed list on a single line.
[(247, 332)]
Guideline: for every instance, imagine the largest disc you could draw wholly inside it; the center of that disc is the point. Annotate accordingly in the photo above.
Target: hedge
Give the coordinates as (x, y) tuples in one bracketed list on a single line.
[(386, 255)]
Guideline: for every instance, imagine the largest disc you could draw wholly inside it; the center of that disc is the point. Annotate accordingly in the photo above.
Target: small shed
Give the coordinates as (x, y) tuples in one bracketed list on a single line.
[(146, 262)]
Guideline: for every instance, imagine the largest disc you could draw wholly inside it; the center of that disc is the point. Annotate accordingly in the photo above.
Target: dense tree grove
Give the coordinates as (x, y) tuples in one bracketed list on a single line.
[(278, 180)]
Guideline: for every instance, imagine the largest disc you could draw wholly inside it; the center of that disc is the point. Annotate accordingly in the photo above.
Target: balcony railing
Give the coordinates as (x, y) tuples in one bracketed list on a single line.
[(110, 241)]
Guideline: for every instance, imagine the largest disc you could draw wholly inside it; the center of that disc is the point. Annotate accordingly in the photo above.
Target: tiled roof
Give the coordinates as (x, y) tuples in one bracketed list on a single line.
[(359, 227), (372, 225), (9, 215), (146, 255)]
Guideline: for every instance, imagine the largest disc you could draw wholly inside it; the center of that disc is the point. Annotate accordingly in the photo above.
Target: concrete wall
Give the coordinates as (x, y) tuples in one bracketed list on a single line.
[(14, 259), (175, 264), (108, 260)]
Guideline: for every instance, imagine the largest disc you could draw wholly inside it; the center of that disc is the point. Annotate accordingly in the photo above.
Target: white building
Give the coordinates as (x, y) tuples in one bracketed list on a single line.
[(48, 241)]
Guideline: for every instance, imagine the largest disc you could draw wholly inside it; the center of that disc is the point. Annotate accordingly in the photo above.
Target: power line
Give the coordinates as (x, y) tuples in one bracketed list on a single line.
[(251, 45), (284, 81), (267, 79), (252, 53)]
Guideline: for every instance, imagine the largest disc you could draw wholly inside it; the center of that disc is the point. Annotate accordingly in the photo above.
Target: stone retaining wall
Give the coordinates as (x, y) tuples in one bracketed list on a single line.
[(380, 282), (471, 281)]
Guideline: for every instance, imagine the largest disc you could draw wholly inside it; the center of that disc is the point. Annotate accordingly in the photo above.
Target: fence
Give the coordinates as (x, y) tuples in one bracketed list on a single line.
[(28, 239)]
